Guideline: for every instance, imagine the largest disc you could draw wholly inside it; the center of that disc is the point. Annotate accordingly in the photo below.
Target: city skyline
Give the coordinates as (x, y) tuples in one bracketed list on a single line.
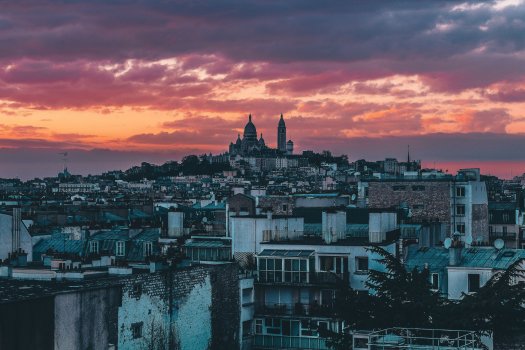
[(149, 81)]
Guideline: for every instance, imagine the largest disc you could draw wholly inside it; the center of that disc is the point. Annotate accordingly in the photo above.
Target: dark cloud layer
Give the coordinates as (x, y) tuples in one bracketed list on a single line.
[(366, 38)]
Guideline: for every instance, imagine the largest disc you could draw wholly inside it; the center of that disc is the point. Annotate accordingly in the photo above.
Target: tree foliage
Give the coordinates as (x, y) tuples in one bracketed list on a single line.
[(401, 298)]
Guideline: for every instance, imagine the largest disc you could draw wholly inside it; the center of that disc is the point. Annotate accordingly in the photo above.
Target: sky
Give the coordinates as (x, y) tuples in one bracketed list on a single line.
[(116, 83)]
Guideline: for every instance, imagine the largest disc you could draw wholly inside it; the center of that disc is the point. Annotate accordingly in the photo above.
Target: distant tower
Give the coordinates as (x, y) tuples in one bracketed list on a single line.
[(408, 155), (281, 135), (289, 147)]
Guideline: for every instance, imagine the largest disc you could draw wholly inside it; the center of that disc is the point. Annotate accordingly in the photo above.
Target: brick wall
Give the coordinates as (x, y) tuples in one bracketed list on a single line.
[(193, 308), (429, 204)]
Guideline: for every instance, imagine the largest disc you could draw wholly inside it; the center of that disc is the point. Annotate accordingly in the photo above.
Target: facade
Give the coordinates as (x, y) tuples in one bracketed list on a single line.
[(504, 223), (460, 203), (15, 241), (194, 308)]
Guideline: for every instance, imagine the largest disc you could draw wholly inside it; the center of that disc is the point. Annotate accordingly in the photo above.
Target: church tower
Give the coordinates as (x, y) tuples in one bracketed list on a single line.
[(281, 135)]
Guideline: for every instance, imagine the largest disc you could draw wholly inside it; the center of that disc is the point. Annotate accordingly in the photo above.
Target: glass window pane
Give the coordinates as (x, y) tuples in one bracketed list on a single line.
[(270, 264), (303, 265), (278, 264), (295, 265)]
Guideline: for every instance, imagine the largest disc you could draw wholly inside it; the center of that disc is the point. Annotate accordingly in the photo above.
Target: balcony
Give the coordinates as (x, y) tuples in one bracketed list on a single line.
[(288, 342), (506, 236), (297, 309), (304, 278)]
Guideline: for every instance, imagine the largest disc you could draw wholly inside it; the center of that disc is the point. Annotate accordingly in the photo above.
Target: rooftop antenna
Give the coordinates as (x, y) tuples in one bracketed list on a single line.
[(64, 159), (408, 155)]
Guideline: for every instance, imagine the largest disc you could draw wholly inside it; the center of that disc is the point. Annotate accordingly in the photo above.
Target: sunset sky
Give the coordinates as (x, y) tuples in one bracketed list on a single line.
[(116, 83)]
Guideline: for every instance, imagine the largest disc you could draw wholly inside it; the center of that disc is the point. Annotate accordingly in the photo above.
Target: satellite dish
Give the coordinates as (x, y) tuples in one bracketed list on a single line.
[(205, 219), (448, 242), (468, 239), (353, 197), (499, 244), (409, 213)]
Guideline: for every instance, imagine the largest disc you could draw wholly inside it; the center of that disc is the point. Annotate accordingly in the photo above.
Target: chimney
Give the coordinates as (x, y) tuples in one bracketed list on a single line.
[(454, 252), (15, 232)]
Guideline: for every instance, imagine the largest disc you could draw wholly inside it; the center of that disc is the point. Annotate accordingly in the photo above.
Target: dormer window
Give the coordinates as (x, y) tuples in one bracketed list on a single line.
[(93, 247), (120, 249)]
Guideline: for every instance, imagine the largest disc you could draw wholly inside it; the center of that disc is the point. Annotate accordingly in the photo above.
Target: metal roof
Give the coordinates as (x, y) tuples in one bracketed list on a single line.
[(207, 244), (437, 258), (287, 253), (58, 243)]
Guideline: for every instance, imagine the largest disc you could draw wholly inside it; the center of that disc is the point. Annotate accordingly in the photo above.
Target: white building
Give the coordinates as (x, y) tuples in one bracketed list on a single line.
[(14, 236)]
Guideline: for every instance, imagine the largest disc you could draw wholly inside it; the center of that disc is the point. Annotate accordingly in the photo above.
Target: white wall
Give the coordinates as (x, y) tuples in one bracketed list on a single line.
[(6, 227), (458, 279)]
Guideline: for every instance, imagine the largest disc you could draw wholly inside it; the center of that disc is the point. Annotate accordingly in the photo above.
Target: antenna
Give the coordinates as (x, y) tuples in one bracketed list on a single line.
[(64, 159)]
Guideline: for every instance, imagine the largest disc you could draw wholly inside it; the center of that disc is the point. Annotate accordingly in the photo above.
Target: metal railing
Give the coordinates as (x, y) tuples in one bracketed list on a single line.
[(305, 278), (421, 338), (288, 342), (297, 309)]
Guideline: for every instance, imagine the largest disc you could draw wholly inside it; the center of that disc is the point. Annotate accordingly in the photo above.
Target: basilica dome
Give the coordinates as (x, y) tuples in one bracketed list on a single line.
[(250, 132)]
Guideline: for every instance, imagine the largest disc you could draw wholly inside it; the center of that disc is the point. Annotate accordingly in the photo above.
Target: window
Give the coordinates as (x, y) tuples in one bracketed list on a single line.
[(506, 218), (434, 281), (295, 270), (460, 191), (333, 264), (273, 325), (271, 270), (148, 249), (120, 249), (93, 247), (418, 206), (473, 282), (460, 228), (504, 230), (290, 328), (418, 188), (136, 330), (258, 326), (460, 209), (246, 328), (361, 264), (399, 188), (285, 207)]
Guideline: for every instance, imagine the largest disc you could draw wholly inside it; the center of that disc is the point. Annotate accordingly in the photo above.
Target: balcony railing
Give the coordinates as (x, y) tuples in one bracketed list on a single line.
[(503, 235), (288, 342), (297, 309), (305, 278)]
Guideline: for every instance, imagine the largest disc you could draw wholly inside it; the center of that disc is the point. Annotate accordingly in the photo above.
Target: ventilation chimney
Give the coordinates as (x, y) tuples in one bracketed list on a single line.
[(15, 234), (455, 250)]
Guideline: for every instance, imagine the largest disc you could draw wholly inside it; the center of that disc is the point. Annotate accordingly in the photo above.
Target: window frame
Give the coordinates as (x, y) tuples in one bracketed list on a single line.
[(120, 248), (357, 265), (136, 330), (434, 281), (146, 245), (470, 288)]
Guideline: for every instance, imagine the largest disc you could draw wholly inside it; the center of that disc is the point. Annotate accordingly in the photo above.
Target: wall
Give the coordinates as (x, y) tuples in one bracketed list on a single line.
[(195, 308), (20, 329), (6, 226), (434, 199), (87, 319), (458, 279)]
